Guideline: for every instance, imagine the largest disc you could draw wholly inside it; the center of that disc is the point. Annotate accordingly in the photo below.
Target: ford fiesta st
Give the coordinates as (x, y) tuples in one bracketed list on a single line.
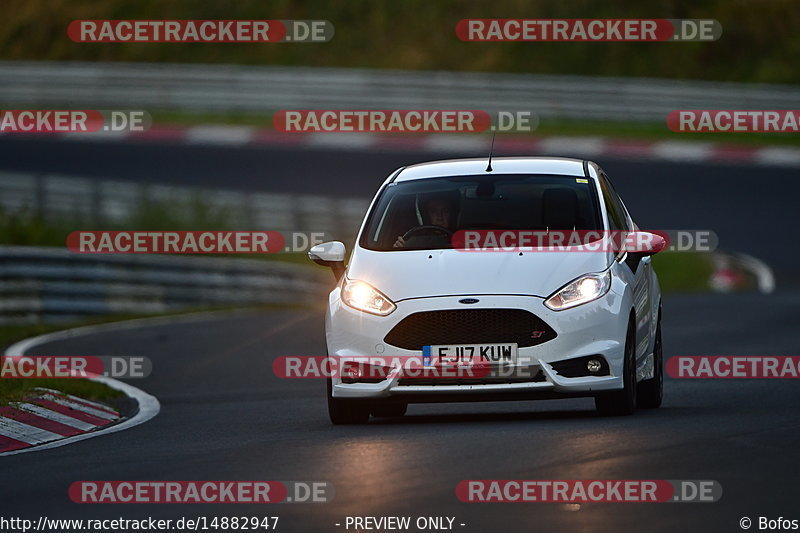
[(550, 322)]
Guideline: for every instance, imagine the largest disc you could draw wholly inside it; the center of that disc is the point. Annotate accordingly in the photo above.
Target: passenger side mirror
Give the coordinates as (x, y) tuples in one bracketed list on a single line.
[(330, 254), (645, 243)]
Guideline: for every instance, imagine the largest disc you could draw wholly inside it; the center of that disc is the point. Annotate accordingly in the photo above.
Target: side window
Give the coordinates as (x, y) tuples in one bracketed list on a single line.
[(626, 214), (616, 213)]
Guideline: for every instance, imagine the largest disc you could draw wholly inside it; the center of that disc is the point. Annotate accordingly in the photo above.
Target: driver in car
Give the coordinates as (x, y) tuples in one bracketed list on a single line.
[(439, 211)]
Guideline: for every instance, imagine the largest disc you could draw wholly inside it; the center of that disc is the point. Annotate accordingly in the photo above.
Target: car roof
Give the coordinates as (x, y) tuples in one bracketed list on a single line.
[(500, 165)]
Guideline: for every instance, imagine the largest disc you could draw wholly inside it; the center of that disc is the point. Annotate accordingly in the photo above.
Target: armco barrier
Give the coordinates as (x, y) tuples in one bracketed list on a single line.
[(47, 285), (42, 285), (265, 89), (101, 201)]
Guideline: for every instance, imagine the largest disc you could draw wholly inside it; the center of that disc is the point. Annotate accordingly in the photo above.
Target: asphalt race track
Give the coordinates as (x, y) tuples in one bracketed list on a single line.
[(225, 416)]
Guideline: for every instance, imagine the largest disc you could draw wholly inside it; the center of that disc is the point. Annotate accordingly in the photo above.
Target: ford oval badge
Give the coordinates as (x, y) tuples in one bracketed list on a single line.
[(468, 301)]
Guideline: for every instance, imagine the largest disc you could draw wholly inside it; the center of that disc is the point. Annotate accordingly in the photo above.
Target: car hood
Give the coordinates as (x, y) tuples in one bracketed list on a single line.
[(426, 273)]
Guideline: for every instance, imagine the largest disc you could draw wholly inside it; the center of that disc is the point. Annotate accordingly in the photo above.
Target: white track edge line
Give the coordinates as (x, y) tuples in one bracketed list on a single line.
[(762, 271)]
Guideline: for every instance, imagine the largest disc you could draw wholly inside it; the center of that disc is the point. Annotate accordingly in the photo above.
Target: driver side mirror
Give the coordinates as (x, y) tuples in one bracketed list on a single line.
[(330, 254)]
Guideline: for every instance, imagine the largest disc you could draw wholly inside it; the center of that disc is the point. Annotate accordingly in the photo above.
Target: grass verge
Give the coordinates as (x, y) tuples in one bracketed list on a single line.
[(683, 271), (758, 44), (14, 390)]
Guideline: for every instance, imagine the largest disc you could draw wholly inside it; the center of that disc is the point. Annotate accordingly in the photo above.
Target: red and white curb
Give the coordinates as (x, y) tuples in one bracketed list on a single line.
[(50, 418), (148, 404), (732, 272), (671, 150)]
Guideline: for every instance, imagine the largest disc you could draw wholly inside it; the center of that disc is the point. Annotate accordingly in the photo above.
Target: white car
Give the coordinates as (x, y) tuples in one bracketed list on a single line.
[(549, 323)]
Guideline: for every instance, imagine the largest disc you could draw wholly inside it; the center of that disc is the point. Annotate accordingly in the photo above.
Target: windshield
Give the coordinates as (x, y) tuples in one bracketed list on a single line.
[(423, 214)]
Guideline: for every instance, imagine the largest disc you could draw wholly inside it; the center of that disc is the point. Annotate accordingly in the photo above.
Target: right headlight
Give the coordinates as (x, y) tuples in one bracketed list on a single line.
[(364, 297), (585, 289)]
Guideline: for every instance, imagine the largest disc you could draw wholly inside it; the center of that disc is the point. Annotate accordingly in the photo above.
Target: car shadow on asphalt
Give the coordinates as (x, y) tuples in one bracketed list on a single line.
[(457, 418)]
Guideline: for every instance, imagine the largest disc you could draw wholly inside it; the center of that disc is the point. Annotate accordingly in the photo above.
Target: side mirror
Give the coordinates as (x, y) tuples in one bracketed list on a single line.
[(330, 254), (645, 243)]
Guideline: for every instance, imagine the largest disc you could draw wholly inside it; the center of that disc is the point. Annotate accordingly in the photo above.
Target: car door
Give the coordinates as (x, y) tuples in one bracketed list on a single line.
[(634, 268)]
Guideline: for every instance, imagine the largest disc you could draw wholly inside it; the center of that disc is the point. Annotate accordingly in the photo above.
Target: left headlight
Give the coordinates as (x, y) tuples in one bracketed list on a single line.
[(364, 297), (583, 290)]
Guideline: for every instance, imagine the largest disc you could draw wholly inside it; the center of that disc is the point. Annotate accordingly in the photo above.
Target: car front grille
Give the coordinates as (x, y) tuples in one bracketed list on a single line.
[(469, 326)]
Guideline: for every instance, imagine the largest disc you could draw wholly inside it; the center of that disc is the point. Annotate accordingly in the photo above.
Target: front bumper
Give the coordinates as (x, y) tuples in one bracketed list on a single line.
[(594, 329)]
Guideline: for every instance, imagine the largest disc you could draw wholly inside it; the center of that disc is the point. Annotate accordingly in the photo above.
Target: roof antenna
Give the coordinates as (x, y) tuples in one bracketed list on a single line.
[(489, 166)]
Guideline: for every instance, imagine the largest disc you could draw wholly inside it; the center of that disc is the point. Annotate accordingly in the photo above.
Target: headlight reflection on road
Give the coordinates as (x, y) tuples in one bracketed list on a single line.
[(375, 474)]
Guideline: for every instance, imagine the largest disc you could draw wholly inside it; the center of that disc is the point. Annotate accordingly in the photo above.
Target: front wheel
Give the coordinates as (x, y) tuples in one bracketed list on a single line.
[(346, 410), (651, 391), (622, 402)]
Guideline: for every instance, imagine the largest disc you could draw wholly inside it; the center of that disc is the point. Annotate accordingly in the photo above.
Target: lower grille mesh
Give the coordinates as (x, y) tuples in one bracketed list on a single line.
[(469, 326)]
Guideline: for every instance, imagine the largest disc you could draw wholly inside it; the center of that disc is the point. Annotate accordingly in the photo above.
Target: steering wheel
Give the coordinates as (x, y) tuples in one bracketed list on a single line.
[(427, 228)]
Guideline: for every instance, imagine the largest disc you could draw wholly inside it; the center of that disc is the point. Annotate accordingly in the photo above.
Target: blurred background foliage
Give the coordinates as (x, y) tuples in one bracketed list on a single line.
[(760, 41)]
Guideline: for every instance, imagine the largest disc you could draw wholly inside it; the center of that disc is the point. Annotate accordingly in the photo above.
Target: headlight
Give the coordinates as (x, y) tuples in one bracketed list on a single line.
[(364, 297), (584, 289)]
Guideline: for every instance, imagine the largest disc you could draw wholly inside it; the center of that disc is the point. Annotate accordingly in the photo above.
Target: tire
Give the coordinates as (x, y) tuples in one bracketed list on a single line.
[(346, 411), (388, 409), (650, 392), (622, 402)]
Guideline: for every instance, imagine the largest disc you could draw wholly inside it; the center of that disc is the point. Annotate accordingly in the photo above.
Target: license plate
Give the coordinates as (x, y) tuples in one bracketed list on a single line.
[(469, 354)]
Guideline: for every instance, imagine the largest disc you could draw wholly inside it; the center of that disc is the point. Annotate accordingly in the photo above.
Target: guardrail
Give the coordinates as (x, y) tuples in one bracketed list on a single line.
[(103, 201), (41, 285), (50, 285), (260, 89)]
